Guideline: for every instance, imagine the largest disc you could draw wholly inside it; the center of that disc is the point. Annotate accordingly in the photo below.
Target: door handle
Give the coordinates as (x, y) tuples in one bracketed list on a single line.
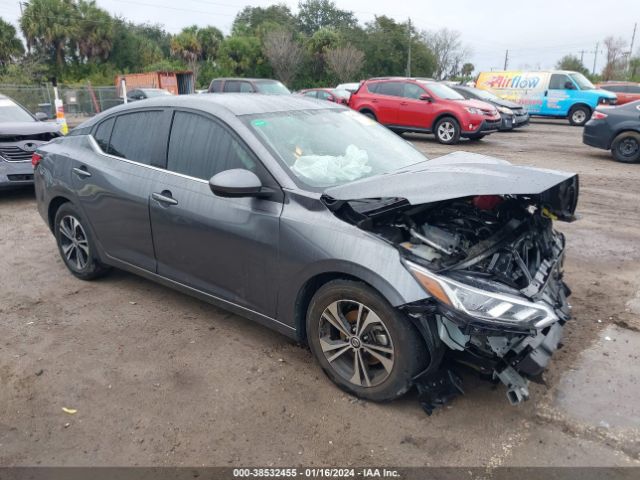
[(374, 101), (81, 172), (545, 92), (404, 103), (164, 197)]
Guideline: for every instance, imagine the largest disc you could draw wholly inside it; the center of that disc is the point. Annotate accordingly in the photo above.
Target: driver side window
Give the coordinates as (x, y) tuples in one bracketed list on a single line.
[(560, 82), (201, 147)]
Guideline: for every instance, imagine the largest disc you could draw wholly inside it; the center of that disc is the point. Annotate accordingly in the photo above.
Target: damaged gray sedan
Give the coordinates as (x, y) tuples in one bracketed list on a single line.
[(318, 222)]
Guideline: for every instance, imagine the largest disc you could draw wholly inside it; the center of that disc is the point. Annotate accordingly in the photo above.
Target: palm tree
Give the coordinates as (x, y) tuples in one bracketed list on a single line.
[(48, 26), (10, 45), (186, 45), (94, 31)]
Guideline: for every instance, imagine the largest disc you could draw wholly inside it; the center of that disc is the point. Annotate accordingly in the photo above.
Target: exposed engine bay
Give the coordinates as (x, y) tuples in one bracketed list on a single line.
[(493, 267)]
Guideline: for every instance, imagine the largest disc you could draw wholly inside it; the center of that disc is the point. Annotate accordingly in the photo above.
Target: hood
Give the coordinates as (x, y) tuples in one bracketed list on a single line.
[(478, 104), (603, 93), (501, 102), (28, 128), (462, 174)]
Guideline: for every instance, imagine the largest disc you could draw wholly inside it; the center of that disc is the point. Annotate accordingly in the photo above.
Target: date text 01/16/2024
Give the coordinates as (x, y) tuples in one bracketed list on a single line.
[(315, 473)]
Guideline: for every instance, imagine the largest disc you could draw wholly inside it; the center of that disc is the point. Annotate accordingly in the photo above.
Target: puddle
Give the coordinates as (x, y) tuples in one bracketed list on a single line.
[(603, 389)]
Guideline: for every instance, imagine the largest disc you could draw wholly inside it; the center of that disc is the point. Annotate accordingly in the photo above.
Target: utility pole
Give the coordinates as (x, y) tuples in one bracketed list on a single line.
[(595, 58), (582, 57), (633, 39), (506, 59), (409, 53)]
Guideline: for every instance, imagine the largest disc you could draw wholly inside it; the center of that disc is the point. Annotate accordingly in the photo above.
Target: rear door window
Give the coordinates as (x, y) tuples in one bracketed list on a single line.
[(201, 147), (411, 90), (322, 95), (312, 94), (103, 134), (135, 136), (392, 89)]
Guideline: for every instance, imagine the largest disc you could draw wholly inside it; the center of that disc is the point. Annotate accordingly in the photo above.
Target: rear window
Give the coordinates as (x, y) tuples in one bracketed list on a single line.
[(103, 134), (236, 86), (135, 135)]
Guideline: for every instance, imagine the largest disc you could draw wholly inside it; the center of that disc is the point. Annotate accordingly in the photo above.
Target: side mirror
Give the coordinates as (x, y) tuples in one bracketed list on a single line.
[(236, 183), (426, 97), (41, 116)]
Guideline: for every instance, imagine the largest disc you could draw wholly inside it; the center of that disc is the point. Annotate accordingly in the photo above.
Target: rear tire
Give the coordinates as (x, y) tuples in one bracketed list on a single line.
[(363, 344), (369, 114), (626, 147), (75, 244), (579, 115), (447, 131)]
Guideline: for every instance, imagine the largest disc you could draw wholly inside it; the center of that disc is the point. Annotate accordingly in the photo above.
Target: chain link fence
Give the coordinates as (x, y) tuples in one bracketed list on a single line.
[(79, 102)]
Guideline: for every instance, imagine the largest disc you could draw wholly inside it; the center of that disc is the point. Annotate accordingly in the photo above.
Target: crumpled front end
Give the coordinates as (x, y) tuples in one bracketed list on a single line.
[(492, 269)]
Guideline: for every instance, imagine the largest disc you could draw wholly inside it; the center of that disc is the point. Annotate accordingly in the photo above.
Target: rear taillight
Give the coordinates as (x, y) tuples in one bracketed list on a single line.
[(35, 159), (598, 115)]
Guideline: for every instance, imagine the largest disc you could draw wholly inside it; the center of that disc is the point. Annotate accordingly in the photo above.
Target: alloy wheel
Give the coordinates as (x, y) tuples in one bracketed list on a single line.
[(446, 131), (356, 343), (73, 242)]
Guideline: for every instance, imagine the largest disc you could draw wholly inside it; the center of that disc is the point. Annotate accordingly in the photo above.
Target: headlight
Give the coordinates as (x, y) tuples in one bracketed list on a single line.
[(473, 111), (505, 110), (488, 306)]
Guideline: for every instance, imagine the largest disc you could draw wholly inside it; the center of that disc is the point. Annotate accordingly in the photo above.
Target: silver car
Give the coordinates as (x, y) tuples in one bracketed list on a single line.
[(20, 135), (316, 221)]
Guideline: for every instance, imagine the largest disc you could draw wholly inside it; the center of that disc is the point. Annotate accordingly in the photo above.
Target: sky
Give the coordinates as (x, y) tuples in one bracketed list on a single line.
[(537, 33)]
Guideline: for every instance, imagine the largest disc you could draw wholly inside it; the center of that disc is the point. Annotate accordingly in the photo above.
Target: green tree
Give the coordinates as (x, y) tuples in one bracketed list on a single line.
[(210, 39), (48, 25), (316, 14), (242, 56), (11, 47), (186, 45), (93, 33), (467, 70), (571, 62), (386, 48), (250, 19)]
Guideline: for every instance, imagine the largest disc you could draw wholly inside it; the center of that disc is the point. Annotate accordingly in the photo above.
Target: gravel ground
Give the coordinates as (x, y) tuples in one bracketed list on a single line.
[(159, 378)]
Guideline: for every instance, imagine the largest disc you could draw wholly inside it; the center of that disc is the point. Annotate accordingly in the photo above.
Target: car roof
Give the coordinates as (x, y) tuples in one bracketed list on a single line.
[(236, 104)]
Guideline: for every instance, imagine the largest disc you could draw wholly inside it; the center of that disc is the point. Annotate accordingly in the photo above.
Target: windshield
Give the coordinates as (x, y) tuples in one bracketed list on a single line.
[(272, 88), (582, 81), (485, 95), (443, 92), (328, 147), (12, 112)]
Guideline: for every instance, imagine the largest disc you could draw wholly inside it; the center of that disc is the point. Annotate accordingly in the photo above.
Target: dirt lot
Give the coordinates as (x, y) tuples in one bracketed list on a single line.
[(160, 378)]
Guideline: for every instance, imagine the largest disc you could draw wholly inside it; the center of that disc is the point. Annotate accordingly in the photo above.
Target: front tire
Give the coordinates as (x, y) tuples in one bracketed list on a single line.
[(626, 147), (447, 131), (369, 114), (76, 245), (362, 343), (579, 115)]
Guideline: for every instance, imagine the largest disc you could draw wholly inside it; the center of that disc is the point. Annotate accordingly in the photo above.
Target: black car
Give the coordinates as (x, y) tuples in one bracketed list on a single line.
[(21, 133), (266, 86), (314, 220), (513, 114), (617, 129)]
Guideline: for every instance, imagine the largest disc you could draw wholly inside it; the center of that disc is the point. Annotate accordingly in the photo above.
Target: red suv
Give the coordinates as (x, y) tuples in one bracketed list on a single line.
[(416, 105)]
